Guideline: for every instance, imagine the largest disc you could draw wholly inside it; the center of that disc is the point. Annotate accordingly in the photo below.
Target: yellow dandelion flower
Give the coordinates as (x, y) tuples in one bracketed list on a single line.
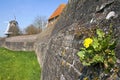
[(87, 42)]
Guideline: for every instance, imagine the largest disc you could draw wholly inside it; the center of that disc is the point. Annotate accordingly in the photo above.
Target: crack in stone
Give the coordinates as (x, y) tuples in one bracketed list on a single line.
[(72, 66)]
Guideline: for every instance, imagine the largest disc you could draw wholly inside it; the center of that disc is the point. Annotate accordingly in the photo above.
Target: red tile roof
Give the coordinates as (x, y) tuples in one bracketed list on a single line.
[(58, 11)]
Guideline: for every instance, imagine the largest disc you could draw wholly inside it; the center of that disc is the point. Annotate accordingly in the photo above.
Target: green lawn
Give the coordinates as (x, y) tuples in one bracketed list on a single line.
[(18, 65)]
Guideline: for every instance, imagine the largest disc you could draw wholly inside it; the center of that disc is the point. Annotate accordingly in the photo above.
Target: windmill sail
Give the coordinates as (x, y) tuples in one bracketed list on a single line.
[(7, 30)]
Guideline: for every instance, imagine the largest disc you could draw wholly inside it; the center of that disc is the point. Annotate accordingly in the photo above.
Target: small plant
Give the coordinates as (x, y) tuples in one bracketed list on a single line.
[(99, 49)]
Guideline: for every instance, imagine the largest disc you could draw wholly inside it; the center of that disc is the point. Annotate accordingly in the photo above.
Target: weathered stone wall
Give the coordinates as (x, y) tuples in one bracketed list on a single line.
[(20, 46), (58, 51), (41, 44), (2, 41), (19, 43)]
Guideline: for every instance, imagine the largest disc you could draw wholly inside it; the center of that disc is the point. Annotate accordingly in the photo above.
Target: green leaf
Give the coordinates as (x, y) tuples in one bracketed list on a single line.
[(104, 43), (86, 63), (95, 44), (100, 33), (113, 53), (112, 45), (81, 54), (90, 51), (112, 60), (83, 49), (98, 58), (107, 51)]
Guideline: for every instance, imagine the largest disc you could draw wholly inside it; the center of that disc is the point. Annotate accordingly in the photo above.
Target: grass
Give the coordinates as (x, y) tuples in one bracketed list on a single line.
[(18, 65)]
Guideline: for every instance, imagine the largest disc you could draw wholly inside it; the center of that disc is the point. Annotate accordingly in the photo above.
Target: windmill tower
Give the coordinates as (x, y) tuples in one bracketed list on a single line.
[(12, 28)]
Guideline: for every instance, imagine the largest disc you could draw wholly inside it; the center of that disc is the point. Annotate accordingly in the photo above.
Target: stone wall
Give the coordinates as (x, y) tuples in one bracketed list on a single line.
[(2, 41), (19, 43), (20, 46), (41, 44), (57, 52)]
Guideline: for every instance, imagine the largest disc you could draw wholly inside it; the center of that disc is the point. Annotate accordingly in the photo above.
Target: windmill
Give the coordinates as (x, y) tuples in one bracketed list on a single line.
[(12, 28)]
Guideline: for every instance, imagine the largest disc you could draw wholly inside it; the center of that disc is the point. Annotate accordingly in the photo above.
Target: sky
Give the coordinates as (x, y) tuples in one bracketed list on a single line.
[(25, 11)]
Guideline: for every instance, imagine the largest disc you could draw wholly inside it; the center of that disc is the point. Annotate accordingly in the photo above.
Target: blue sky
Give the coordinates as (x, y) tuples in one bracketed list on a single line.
[(25, 11)]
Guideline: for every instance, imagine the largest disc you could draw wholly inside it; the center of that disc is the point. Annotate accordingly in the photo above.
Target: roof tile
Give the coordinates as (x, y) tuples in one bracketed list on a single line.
[(58, 11)]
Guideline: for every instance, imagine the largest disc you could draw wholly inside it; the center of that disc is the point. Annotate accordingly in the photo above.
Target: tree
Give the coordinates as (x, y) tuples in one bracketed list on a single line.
[(31, 29), (40, 22), (38, 25)]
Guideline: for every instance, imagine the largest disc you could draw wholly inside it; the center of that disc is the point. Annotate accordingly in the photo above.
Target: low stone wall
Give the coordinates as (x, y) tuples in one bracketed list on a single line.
[(19, 43), (20, 46), (2, 41)]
